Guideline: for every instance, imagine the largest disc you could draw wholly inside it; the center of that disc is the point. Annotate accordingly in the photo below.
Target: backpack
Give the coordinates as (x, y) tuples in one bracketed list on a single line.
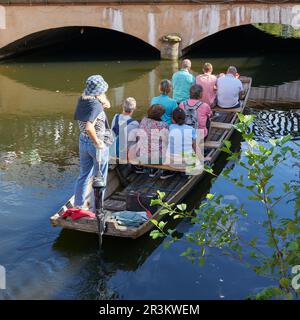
[(116, 130), (191, 117)]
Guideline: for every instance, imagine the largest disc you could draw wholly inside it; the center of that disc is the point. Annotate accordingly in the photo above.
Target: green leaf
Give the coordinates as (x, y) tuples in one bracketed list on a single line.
[(154, 222), (293, 246), (167, 244), (273, 142), (161, 224), (285, 283), (292, 228), (171, 231), (164, 211), (161, 195), (248, 119), (155, 202), (202, 251), (186, 253), (201, 262), (227, 144), (289, 296), (208, 169), (253, 242), (210, 196), (154, 234), (182, 207), (253, 144), (255, 197), (226, 150), (270, 189)]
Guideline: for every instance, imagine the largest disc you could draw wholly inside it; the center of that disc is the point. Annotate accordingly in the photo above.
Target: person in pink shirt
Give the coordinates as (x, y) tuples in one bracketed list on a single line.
[(208, 81), (197, 112)]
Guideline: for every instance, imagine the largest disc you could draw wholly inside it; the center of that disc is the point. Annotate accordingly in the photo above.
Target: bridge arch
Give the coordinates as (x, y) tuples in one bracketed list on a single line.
[(148, 22), (243, 38), (83, 39)]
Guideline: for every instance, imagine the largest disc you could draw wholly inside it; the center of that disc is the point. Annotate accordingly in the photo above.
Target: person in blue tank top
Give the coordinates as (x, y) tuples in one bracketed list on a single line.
[(182, 81), (163, 99)]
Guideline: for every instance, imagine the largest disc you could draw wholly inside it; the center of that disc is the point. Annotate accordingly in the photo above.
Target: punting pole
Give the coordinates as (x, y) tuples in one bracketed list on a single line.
[(99, 185)]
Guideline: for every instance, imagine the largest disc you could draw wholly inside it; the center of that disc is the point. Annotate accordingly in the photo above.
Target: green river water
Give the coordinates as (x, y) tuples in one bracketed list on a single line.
[(39, 165)]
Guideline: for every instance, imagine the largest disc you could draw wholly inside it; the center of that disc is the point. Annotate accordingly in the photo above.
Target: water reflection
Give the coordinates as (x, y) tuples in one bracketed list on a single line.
[(275, 123), (38, 167)]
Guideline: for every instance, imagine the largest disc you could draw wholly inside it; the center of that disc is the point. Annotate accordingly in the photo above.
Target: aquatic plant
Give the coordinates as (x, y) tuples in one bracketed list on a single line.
[(275, 252)]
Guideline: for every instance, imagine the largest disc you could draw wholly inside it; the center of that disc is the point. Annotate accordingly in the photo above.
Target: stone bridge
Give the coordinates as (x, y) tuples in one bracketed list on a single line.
[(150, 21)]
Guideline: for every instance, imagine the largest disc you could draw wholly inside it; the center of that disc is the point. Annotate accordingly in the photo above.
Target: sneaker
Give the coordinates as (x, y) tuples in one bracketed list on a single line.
[(153, 173), (138, 169), (167, 174)]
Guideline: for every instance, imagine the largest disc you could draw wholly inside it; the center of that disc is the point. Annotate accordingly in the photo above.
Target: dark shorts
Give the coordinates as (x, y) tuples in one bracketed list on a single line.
[(236, 106)]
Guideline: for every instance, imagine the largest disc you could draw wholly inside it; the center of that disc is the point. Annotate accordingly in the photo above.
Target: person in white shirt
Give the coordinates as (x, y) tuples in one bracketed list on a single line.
[(229, 89)]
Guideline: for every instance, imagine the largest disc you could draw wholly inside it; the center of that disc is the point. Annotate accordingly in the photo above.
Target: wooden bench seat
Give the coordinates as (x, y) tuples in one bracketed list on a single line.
[(218, 109), (212, 144), (160, 166), (221, 125)]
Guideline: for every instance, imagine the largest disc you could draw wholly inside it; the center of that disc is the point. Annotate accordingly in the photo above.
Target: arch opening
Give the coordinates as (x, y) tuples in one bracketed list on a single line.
[(243, 39), (79, 44)]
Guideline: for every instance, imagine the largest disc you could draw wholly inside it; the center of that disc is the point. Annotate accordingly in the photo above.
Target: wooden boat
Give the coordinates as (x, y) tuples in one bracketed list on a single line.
[(175, 188)]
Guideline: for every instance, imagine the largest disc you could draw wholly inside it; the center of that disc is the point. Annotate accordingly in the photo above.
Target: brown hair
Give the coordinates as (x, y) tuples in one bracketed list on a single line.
[(178, 116), (196, 91), (155, 112), (207, 67), (165, 86)]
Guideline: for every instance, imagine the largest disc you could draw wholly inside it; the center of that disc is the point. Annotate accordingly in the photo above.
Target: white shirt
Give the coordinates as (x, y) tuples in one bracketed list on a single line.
[(228, 92)]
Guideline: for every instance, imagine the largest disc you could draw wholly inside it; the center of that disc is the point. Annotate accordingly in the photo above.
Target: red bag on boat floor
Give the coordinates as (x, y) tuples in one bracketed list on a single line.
[(76, 214)]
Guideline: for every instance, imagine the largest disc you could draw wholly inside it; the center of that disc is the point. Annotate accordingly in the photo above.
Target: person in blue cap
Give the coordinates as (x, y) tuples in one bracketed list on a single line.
[(94, 134)]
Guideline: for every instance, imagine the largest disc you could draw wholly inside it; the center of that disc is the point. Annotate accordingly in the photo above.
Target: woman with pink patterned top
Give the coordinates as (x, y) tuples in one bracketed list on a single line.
[(153, 144), (208, 82)]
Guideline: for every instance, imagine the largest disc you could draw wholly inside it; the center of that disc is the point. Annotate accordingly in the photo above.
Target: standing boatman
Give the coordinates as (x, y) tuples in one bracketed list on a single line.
[(95, 134)]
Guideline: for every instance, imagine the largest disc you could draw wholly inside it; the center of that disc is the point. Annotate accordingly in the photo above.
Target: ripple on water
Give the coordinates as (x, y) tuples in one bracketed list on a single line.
[(29, 278)]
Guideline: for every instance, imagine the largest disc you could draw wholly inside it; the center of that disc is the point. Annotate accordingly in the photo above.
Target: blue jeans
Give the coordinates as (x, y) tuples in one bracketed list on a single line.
[(89, 166)]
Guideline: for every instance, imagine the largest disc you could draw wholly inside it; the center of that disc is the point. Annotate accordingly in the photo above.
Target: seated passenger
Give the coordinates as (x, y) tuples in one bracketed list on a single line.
[(208, 82), (197, 112), (230, 89), (182, 140), (122, 125), (163, 99), (153, 137), (182, 81)]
